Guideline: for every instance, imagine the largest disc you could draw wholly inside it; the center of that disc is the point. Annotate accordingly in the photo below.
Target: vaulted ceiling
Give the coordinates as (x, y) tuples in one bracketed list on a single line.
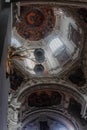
[(47, 66), (46, 39)]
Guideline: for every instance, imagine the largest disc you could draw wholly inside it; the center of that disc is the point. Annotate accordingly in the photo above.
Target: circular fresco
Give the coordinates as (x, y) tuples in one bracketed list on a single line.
[(35, 23), (34, 18)]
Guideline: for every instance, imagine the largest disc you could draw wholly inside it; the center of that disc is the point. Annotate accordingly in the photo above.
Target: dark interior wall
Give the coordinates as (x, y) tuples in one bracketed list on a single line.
[(3, 4), (4, 14), (51, 0), (4, 83)]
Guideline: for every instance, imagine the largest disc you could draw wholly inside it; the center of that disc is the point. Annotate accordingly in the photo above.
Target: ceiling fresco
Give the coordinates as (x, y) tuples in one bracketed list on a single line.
[(44, 99), (35, 22)]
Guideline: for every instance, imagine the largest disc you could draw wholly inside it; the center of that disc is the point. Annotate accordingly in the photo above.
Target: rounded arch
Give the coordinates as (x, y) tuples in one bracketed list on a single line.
[(52, 86), (51, 114)]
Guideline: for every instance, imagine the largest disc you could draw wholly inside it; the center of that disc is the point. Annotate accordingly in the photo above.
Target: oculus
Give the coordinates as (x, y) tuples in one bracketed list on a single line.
[(39, 55), (39, 69)]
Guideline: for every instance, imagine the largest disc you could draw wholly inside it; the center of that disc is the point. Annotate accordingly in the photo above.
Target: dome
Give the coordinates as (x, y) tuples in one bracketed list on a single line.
[(53, 31)]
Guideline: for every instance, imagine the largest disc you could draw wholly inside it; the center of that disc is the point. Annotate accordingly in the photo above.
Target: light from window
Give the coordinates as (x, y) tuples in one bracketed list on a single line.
[(15, 42), (55, 44)]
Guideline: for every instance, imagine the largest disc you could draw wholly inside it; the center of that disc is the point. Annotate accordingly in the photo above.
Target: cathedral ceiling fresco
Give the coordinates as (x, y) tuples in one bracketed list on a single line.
[(35, 23), (45, 61)]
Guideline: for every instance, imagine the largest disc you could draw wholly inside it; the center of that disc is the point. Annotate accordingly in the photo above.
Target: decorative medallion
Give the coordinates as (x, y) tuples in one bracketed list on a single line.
[(35, 22)]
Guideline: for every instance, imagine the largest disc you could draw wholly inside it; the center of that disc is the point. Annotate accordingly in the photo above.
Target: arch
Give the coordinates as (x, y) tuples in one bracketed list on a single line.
[(53, 86), (55, 115)]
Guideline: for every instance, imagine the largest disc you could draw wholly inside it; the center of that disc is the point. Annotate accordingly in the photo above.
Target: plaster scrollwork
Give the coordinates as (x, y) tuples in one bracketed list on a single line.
[(12, 119)]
